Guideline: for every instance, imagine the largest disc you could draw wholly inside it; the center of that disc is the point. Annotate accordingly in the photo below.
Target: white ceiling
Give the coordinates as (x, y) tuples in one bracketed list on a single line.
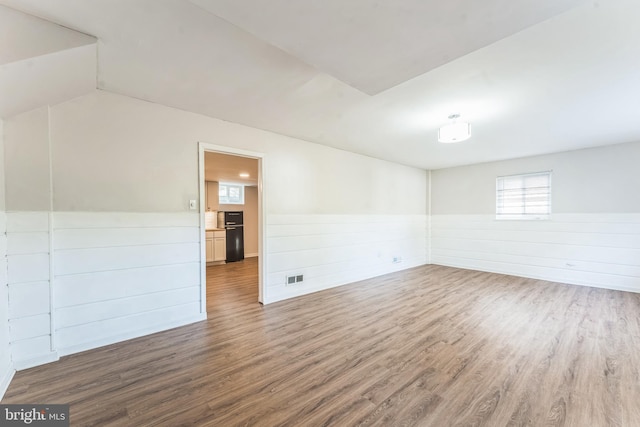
[(24, 36), (374, 45), (42, 63), (532, 76)]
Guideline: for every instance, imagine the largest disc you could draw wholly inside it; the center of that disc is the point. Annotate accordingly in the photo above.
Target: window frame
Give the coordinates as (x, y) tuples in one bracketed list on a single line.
[(227, 185), (523, 216)]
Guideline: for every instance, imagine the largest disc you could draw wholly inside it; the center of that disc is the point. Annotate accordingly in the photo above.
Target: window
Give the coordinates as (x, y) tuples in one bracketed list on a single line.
[(525, 196), (231, 194)]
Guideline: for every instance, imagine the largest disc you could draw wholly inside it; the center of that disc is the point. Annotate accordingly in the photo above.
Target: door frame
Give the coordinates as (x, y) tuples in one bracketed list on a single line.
[(262, 215)]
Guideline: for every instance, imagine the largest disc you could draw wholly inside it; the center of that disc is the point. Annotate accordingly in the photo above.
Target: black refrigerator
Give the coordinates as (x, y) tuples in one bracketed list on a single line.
[(234, 226)]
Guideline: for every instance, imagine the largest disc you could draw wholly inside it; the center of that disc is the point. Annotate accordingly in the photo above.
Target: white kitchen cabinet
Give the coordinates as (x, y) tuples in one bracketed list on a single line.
[(220, 247), (211, 195), (210, 247), (216, 244)]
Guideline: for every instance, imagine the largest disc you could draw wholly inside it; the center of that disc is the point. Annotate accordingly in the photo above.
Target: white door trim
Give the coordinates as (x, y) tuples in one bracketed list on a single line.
[(262, 216)]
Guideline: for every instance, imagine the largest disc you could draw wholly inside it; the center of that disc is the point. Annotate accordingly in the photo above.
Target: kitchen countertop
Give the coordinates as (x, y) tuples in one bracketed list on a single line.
[(214, 229)]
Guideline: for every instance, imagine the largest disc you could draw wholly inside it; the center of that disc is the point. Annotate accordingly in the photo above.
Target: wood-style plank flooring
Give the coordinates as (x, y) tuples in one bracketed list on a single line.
[(429, 346)]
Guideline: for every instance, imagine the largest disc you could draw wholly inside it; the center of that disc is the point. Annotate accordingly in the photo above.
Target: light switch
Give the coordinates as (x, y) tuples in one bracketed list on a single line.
[(192, 205)]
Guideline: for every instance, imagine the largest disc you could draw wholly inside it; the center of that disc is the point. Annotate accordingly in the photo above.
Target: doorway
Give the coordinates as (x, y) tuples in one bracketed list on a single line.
[(231, 182)]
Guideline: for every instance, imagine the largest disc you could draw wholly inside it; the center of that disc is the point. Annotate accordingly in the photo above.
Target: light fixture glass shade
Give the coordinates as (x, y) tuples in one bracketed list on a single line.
[(454, 132)]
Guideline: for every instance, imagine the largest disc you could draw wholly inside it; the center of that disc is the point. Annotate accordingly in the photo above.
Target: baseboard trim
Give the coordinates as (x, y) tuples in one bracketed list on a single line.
[(250, 255), (131, 335), (20, 365), (5, 380)]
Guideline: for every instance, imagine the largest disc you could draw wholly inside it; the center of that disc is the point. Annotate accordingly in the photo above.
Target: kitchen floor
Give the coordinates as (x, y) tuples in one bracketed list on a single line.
[(232, 286)]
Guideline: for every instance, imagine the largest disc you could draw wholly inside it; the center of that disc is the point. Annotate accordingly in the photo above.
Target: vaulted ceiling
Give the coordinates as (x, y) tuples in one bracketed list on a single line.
[(379, 77)]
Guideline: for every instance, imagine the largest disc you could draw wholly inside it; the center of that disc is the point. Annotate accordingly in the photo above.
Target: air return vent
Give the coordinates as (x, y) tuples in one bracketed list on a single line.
[(292, 280)]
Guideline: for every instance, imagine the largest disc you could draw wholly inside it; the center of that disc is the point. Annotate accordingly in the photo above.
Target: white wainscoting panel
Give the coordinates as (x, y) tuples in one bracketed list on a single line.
[(25, 268), (25, 328), (600, 250), (97, 334), (29, 299), (334, 250), (32, 352), (123, 275), (28, 287), (6, 366), (27, 222), (88, 288)]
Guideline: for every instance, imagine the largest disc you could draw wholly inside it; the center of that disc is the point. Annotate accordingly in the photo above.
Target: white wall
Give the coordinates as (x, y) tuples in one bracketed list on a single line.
[(6, 367), (331, 250), (122, 275), (29, 288), (123, 255), (135, 156), (27, 166), (593, 237), (28, 204)]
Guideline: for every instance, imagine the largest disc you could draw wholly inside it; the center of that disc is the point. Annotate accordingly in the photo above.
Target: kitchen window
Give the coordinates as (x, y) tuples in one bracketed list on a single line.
[(526, 196), (231, 194)]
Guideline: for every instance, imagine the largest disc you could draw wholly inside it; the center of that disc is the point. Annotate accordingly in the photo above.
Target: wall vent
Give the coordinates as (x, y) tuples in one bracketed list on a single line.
[(292, 280)]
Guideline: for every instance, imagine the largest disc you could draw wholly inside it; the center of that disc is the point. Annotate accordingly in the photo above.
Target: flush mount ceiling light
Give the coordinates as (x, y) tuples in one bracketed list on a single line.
[(455, 131), (244, 175)]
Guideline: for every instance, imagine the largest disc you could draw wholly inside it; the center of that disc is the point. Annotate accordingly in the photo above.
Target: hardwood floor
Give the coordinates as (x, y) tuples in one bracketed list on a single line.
[(430, 346), (232, 287)]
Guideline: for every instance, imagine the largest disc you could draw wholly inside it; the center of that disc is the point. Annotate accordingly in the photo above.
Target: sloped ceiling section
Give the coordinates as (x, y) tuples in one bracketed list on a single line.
[(375, 45), (24, 36), (42, 63)]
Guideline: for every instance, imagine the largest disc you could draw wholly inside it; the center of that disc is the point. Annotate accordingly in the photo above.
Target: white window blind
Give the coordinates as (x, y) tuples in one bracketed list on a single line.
[(526, 196), (231, 194)]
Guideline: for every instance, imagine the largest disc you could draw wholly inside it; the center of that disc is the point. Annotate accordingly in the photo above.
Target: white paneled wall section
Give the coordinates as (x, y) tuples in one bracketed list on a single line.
[(123, 275), (332, 250), (29, 288), (601, 250), (6, 366)]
